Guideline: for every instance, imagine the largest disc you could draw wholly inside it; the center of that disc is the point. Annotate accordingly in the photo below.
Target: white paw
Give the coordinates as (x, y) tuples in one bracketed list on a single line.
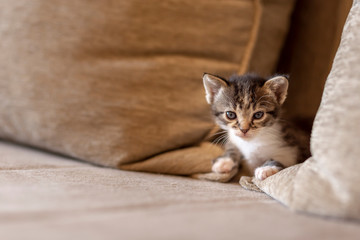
[(223, 165), (262, 173)]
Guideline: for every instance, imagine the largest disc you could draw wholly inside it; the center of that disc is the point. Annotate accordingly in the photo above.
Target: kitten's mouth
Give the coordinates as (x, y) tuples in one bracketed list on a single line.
[(243, 135)]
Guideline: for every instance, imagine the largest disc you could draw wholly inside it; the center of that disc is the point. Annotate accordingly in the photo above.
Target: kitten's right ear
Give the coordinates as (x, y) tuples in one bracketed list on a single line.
[(279, 86), (212, 85)]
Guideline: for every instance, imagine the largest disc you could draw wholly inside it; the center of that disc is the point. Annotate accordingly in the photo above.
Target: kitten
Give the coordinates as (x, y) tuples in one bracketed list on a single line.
[(248, 108)]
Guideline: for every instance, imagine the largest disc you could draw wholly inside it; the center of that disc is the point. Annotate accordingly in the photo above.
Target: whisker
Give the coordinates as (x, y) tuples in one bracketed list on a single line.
[(224, 141), (217, 133), (217, 140), (220, 139)]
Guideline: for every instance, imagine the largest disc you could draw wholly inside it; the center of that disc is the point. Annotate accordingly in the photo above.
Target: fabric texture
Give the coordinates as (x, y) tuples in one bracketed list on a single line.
[(327, 183), (116, 83), (308, 54), (44, 196)]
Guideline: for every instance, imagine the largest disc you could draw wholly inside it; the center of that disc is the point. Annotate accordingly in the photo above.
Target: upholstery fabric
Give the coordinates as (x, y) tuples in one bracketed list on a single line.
[(328, 183), (44, 197), (308, 54), (119, 82)]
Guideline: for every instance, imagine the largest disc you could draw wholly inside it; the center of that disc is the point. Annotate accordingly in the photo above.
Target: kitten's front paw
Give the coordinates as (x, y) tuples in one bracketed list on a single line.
[(223, 165), (262, 173)]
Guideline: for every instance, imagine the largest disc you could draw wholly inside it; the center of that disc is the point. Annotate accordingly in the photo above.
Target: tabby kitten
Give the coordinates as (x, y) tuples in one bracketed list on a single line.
[(248, 108)]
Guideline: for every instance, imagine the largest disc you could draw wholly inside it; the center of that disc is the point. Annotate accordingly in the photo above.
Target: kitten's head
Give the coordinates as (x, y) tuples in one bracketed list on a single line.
[(246, 104)]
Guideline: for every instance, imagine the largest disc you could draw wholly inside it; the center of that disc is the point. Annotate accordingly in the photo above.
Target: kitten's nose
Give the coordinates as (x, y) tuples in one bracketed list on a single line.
[(244, 130)]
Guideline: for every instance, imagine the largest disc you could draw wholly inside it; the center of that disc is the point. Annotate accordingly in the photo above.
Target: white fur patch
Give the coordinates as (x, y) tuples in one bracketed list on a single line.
[(265, 145), (223, 165), (262, 173)]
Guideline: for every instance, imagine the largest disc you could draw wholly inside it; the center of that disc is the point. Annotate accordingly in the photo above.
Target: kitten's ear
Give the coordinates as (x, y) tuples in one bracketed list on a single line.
[(212, 85), (279, 86)]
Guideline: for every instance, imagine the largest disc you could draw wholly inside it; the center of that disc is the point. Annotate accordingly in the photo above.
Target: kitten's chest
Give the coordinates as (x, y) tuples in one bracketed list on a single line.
[(258, 150), (267, 146)]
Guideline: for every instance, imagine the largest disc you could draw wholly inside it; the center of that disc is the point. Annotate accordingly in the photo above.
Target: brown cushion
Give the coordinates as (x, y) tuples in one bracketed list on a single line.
[(117, 82), (307, 59)]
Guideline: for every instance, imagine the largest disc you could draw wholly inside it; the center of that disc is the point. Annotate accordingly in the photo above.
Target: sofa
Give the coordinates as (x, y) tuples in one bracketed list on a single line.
[(105, 131)]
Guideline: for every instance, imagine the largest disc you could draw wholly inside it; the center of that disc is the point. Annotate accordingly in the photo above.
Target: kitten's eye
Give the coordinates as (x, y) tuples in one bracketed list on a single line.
[(230, 115), (258, 115)]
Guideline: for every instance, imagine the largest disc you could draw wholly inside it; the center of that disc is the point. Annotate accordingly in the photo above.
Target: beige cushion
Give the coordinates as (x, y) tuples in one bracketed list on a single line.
[(118, 82), (328, 183), (44, 197)]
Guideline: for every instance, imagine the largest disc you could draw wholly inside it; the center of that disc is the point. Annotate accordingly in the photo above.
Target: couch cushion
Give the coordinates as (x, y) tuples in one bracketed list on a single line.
[(307, 59), (117, 82), (44, 196), (328, 183)]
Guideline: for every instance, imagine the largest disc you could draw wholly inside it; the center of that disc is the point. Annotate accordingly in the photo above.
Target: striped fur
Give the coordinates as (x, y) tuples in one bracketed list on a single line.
[(248, 108)]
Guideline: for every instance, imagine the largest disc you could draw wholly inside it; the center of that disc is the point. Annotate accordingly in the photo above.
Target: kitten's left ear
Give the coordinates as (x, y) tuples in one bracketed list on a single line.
[(212, 85), (279, 86)]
